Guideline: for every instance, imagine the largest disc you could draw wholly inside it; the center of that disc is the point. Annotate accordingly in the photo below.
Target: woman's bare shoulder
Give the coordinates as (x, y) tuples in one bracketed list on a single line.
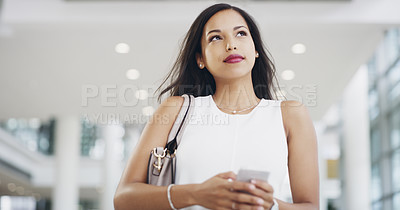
[(173, 101), (294, 113), (293, 109), (162, 120), (170, 106)]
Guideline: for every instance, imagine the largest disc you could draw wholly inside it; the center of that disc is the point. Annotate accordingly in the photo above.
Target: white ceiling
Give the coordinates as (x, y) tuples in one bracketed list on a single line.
[(50, 49)]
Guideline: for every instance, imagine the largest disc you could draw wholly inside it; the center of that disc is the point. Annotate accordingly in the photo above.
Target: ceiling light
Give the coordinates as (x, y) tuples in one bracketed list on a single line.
[(122, 48), (142, 94), (148, 110), (288, 74), (12, 187), (132, 74), (298, 48)]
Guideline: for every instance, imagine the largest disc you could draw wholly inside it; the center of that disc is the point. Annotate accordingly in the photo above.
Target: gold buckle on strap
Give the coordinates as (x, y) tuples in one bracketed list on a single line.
[(158, 163)]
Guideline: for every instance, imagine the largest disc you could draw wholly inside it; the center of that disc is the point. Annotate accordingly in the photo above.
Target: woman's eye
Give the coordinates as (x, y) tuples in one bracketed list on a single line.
[(241, 33), (214, 38)]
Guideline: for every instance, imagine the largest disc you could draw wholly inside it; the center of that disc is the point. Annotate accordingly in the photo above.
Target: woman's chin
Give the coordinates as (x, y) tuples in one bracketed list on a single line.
[(233, 75)]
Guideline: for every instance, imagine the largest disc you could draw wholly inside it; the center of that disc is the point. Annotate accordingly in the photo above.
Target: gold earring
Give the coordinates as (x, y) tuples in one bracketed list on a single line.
[(257, 55)]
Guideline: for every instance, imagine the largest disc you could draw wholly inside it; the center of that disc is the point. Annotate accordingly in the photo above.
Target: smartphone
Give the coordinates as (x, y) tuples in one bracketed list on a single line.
[(246, 175)]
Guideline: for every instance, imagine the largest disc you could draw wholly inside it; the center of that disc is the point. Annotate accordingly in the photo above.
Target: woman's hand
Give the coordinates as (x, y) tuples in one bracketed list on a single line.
[(222, 192), (265, 191)]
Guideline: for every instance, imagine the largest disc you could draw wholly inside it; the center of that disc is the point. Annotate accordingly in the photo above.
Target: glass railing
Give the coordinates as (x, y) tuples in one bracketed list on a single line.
[(35, 134), (39, 136)]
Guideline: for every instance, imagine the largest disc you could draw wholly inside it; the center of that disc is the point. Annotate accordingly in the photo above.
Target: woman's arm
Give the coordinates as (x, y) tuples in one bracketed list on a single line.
[(144, 196), (303, 157), (132, 192)]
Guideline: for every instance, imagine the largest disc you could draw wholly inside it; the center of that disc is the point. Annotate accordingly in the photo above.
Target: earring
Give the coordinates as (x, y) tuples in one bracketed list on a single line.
[(257, 55), (201, 65)]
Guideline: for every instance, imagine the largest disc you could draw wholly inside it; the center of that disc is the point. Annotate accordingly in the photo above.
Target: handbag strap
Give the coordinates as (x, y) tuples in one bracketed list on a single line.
[(181, 121)]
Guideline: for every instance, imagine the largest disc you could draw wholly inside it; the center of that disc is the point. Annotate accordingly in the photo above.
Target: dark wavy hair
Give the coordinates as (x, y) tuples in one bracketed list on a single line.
[(186, 77)]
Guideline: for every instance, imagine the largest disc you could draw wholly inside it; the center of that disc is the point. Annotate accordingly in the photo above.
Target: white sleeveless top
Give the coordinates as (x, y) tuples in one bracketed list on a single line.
[(214, 142)]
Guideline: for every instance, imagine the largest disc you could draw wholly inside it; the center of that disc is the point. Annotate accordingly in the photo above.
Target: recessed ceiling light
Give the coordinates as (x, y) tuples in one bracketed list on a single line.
[(148, 110), (12, 187), (142, 94), (288, 74), (298, 48), (122, 48), (132, 74)]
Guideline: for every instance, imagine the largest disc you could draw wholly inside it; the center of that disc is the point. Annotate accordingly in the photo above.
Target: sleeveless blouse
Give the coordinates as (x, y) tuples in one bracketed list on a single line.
[(214, 142)]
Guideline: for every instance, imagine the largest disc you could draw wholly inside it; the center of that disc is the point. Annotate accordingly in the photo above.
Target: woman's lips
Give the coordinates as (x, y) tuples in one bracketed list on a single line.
[(235, 58)]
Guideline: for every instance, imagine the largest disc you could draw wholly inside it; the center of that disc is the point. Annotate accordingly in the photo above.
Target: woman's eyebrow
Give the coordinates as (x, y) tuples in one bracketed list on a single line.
[(237, 27), (215, 30), (234, 28)]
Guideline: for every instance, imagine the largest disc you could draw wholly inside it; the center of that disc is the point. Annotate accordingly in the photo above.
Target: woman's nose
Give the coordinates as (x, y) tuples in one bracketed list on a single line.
[(230, 45)]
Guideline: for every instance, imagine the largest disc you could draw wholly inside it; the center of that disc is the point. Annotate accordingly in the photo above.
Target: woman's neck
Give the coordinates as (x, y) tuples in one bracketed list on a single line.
[(235, 94)]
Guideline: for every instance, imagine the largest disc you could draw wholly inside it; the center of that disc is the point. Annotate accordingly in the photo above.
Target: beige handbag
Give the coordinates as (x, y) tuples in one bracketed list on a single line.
[(161, 168)]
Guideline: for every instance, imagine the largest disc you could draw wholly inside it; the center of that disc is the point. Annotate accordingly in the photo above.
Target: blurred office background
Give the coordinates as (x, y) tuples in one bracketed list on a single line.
[(71, 69)]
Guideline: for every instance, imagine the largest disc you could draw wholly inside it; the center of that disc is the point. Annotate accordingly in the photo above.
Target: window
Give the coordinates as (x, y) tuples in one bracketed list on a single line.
[(372, 73), (384, 111), (396, 201), (395, 129), (396, 171), (377, 206), (376, 191), (373, 104), (35, 134), (391, 46), (375, 145), (393, 78), (91, 145)]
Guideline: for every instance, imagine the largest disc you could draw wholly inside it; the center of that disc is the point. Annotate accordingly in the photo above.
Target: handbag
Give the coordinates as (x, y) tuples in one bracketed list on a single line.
[(162, 161)]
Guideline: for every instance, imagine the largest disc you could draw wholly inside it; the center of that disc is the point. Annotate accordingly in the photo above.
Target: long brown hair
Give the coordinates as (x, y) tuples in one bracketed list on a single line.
[(186, 77)]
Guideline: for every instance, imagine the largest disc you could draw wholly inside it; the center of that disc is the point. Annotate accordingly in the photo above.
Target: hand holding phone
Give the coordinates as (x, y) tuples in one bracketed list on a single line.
[(246, 175)]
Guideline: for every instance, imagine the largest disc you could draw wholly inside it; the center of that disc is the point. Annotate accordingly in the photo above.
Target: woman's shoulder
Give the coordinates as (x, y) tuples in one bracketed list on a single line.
[(171, 104), (168, 109), (172, 101), (294, 113), (294, 110), (293, 107)]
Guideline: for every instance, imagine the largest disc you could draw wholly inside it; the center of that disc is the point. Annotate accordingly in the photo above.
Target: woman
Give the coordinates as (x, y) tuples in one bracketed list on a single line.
[(224, 65)]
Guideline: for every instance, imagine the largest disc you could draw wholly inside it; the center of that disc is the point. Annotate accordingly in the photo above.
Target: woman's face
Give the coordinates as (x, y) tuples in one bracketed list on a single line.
[(228, 49)]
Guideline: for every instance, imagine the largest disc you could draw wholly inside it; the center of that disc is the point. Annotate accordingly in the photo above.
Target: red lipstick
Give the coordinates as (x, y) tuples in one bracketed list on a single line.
[(234, 58)]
